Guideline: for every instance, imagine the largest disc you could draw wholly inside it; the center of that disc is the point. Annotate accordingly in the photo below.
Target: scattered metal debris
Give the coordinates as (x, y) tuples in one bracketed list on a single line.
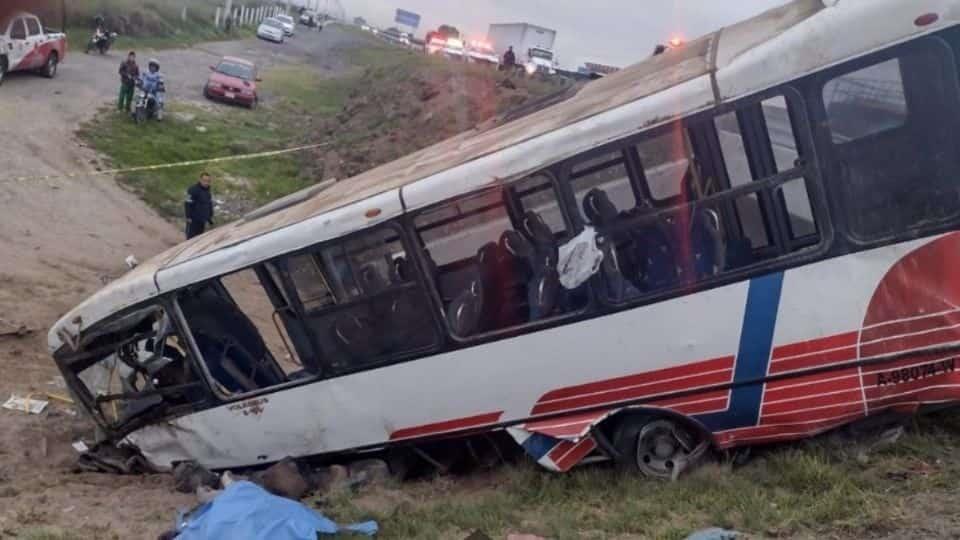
[(107, 458)]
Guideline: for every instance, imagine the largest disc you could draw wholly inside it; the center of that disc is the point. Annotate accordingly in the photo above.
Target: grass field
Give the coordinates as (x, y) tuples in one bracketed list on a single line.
[(190, 132)]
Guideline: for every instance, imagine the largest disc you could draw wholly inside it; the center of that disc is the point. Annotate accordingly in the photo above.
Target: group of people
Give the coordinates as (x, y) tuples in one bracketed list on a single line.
[(130, 78)]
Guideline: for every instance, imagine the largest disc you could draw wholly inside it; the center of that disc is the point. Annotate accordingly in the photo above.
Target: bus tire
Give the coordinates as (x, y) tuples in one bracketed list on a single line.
[(658, 446), (50, 68)]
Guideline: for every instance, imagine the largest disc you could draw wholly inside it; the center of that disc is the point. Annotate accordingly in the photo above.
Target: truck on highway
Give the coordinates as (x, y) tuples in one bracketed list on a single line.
[(25, 45), (533, 45)]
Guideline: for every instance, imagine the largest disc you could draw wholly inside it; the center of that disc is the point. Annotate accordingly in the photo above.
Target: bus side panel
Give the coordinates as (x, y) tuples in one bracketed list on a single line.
[(898, 300), (811, 317), (480, 386)]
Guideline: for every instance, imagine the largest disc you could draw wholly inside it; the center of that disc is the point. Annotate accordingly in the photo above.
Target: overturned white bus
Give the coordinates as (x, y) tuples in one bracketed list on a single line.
[(746, 240)]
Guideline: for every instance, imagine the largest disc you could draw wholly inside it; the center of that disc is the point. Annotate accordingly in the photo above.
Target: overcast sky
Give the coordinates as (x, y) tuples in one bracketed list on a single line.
[(617, 32)]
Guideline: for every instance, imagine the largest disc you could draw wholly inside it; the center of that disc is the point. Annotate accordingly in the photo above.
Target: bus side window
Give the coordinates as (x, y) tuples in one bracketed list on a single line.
[(494, 257), (892, 127), (362, 301), (692, 228)]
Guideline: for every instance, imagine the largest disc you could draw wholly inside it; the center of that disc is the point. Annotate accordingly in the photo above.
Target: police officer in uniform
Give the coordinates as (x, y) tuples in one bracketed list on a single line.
[(198, 208)]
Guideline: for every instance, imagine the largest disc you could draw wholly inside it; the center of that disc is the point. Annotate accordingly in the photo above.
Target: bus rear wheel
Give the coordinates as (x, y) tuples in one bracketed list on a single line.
[(659, 447)]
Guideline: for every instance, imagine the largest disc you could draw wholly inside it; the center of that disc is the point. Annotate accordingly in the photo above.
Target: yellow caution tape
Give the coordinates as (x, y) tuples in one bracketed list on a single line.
[(142, 168)]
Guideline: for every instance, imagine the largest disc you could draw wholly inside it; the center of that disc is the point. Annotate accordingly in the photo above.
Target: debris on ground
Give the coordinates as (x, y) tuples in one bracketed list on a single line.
[(8, 329), (111, 459), (188, 476), (285, 479), (245, 510), (714, 533), (25, 404)]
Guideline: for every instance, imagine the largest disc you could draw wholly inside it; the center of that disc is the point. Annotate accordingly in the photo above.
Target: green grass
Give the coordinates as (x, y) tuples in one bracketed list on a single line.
[(193, 133), (812, 489)]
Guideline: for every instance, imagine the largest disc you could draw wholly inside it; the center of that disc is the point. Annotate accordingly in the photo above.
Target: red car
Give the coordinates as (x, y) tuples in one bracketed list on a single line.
[(233, 80)]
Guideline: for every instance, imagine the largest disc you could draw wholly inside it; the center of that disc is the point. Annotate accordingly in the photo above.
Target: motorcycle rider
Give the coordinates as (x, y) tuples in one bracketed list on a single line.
[(100, 33), (152, 84)]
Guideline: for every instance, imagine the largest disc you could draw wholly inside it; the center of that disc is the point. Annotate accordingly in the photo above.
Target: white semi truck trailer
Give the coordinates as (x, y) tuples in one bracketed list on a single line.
[(532, 44)]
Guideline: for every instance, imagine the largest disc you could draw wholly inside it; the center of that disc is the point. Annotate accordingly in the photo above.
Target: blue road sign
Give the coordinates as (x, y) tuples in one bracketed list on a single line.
[(408, 18)]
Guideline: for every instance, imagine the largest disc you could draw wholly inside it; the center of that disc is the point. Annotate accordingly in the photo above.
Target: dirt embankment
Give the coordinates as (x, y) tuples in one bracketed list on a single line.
[(400, 108)]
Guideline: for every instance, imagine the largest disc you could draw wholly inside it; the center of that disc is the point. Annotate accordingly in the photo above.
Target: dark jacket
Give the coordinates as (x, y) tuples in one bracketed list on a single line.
[(198, 208), (509, 59), (129, 72)]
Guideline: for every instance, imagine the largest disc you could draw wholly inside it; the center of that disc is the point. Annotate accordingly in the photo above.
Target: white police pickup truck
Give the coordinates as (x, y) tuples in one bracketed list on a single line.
[(26, 46)]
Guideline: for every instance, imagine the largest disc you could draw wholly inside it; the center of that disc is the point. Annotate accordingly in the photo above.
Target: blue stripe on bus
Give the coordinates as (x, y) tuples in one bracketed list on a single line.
[(537, 446), (753, 357)]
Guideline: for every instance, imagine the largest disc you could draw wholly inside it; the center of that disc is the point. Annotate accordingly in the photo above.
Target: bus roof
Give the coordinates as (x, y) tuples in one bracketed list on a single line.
[(772, 48)]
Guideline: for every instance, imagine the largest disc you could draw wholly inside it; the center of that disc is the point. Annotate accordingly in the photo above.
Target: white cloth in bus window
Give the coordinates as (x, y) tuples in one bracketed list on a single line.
[(580, 258)]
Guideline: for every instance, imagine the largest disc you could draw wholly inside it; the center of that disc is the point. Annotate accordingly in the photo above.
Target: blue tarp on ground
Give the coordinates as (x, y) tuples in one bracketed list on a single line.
[(245, 510)]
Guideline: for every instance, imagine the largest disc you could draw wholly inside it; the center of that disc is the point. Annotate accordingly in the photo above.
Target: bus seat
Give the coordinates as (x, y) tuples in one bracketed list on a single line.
[(708, 248), (464, 314), (515, 244), (541, 237), (517, 256), (660, 265), (599, 209), (543, 293), (625, 258)]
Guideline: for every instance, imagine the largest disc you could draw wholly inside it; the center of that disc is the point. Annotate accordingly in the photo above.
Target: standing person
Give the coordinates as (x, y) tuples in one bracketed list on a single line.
[(198, 208), (129, 75), (509, 59)]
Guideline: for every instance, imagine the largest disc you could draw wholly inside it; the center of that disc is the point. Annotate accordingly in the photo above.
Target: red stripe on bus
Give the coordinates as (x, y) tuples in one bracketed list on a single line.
[(909, 343), (815, 345), (813, 360), (816, 378), (783, 431), (923, 324), (447, 426), (566, 456), (822, 383), (685, 370), (814, 400), (809, 412), (626, 394)]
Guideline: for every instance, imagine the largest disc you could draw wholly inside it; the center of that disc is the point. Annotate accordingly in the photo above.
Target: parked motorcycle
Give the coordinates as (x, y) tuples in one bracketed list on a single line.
[(101, 42), (149, 103)]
